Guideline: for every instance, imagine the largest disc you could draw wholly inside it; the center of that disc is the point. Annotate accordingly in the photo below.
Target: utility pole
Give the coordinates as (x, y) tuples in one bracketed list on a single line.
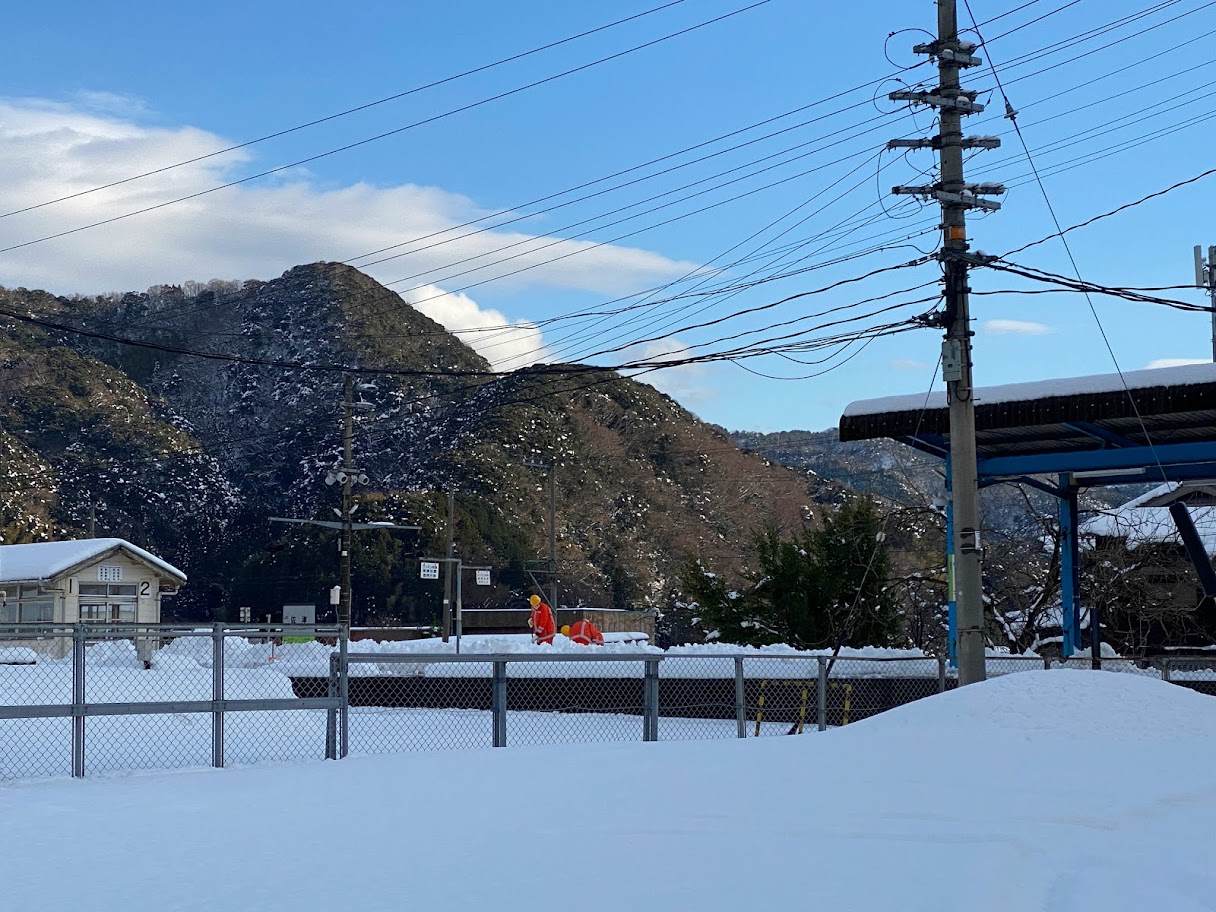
[(552, 469), (348, 483), (956, 197), (1205, 276), (345, 526), (447, 573)]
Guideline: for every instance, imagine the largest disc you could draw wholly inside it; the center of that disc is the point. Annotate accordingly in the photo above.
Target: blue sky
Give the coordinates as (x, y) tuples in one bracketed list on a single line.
[(95, 94)]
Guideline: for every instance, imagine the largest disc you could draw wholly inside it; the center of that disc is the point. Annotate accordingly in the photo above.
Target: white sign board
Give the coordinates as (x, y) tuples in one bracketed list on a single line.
[(483, 577), (430, 570), (299, 614)]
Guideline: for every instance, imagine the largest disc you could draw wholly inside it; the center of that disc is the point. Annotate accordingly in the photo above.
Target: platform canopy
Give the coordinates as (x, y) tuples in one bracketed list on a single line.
[(1084, 427), (1064, 435)]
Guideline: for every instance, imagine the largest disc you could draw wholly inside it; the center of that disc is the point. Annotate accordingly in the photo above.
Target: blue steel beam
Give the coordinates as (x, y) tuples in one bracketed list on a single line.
[(1099, 433), (951, 601), (933, 445), (1136, 457), (1195, 549), (1070, 600)]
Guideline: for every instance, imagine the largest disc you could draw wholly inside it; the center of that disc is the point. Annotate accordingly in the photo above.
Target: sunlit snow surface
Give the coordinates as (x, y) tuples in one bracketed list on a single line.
[(1061, 790)]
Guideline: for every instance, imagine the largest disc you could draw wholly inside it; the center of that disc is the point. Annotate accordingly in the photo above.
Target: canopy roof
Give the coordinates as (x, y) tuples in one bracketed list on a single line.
[(1065, 419)]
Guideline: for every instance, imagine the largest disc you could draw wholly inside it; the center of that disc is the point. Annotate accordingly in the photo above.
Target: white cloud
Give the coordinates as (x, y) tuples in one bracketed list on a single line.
[(50, 150), (505, 344), (688, 384), (111, 103), (1174, 362), (910, 364), (1015, 328)]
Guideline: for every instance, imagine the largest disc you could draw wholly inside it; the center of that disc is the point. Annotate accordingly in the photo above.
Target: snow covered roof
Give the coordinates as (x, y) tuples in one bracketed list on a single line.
[(1070, 414), (1062, 387), (46, 560), (1148, 525)]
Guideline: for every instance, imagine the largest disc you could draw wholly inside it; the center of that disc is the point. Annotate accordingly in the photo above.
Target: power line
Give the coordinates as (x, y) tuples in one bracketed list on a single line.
[(362, 107), (1059, 233), (394, 132)]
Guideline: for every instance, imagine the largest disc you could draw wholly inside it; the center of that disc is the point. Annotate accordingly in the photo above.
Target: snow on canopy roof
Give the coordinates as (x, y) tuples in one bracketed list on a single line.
[(1179, 375), (45, 560), (1142, 525)]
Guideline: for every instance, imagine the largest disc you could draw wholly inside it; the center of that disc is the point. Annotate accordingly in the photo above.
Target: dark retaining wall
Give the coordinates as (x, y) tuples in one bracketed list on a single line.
[(784, 700)]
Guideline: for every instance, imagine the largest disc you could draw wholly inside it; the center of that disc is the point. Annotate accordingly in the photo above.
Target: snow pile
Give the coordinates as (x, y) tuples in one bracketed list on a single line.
[(1056, 791), (1067, 704), (17, 655)]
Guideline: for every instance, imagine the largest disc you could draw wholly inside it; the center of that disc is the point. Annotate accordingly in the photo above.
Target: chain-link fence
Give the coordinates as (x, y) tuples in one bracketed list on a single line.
[(96, 699), (99, 698)]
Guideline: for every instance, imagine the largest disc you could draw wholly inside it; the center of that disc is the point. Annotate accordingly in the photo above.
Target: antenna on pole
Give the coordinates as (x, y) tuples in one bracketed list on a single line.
[(1205, 277)]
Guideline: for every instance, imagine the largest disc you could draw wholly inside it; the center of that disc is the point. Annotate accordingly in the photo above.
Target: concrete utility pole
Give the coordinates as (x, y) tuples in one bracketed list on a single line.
[(956, 197), (1205, 276), (447, 572), (348, 483)]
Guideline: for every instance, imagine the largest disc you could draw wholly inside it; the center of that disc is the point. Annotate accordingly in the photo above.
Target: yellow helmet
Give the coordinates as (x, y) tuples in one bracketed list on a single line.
[(534, 601)]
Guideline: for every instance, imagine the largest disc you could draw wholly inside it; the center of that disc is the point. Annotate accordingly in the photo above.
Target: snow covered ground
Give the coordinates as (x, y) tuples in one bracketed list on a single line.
[(1058, 791)]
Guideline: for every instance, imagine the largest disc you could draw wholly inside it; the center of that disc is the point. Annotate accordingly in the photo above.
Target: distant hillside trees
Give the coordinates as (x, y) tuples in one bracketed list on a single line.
[(821, 587)]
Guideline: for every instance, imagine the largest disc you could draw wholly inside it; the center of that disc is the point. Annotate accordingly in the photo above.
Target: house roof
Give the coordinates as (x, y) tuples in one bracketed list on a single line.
[(1140, 523), (46, 560), (1071, 414)]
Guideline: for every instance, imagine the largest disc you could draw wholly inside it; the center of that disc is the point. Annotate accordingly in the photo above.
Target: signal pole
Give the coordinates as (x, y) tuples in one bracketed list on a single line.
[(551, 467), (956, 196), (1205, 276)]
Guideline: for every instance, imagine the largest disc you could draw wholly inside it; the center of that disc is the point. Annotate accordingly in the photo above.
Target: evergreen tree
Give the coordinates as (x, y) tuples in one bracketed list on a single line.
[(822, 586)]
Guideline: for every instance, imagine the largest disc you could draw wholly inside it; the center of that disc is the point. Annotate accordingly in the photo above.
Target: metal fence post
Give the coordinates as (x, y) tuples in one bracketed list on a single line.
[(344, 690), (650, 701), (498, 703), (941, 674), (1165, 670), (331, 714), (822, 693), (217, 695), (78, 700), (740, 698)]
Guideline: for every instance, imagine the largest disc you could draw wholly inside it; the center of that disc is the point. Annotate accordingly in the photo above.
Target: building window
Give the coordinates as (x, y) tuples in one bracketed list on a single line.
[(33, 609), (109, 573), (107, 612), (41, 611), (121, 590)]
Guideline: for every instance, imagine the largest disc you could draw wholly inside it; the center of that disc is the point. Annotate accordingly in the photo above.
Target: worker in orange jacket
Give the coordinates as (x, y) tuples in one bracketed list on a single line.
[(584, 633), (541, 621)]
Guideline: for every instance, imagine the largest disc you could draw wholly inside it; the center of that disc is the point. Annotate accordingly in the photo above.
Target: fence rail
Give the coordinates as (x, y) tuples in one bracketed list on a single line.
[(94, 698)]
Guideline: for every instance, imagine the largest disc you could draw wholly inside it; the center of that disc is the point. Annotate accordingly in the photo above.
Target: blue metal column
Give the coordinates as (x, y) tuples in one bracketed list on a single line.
[(951, 601), (1070, 602)]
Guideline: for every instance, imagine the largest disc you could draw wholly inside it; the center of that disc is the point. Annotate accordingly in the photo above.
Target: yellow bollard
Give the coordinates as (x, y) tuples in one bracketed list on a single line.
[(760, 708), (802, 708)]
